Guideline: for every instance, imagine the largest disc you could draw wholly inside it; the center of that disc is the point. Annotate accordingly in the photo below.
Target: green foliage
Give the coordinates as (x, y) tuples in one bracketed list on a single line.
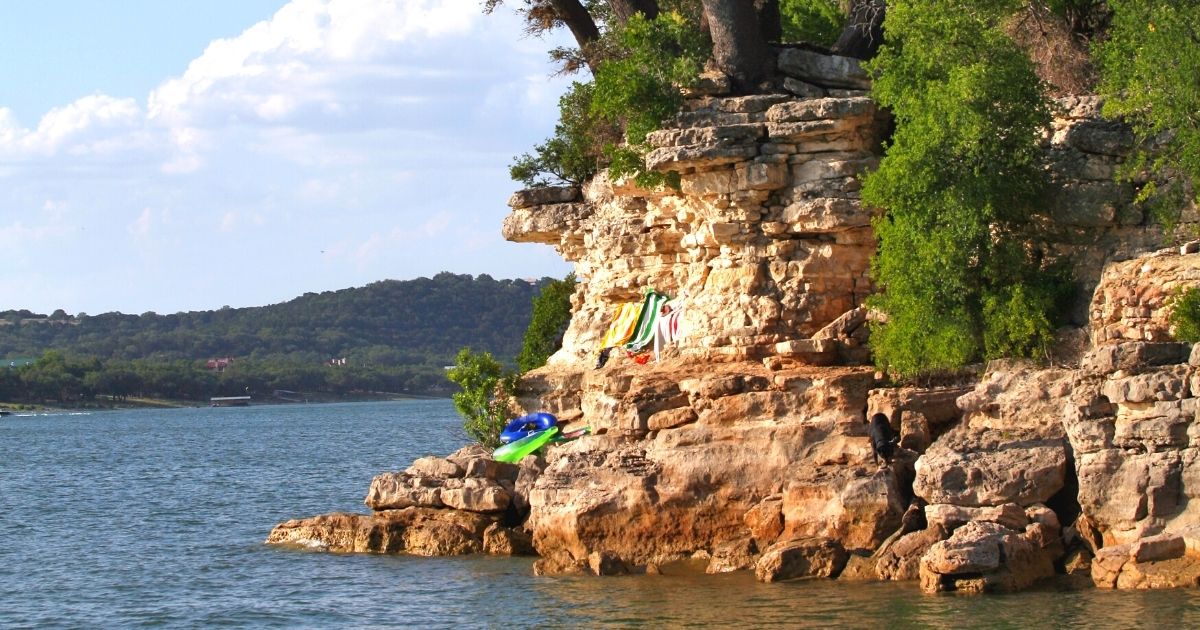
[(817, 22), (572, 155), (959, 177), (551, 314), (1150, 75), (485, 396), (1185, 315), (1017, 318), (638, 88)]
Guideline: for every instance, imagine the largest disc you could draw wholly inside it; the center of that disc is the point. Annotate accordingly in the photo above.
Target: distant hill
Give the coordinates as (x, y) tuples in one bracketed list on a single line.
[(387, 323)]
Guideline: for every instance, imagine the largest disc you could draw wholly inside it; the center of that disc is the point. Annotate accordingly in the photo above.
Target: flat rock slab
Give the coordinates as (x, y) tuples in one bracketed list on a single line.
[(414, 530)]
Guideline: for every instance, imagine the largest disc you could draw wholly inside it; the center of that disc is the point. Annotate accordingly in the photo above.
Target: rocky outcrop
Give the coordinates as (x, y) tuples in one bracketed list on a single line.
[(765, 242), (744, 442), (455, 505), (736, 439)]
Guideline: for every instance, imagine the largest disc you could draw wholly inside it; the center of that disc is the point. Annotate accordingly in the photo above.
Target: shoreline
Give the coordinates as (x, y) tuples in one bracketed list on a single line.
[(19, 409)]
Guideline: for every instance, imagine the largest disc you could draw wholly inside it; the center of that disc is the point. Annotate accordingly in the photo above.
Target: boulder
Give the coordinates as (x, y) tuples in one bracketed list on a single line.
[(985, 557), (543, 195), (902, 560), (1015, 473), (392, 491), (475, 495), (824, 70), (434, 468), (1150, 563), (951, 517), (507, 541), (733, 555), (807, 557)]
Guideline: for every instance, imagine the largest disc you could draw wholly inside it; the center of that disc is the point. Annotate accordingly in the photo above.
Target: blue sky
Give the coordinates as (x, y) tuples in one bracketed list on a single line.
[(169, 156)]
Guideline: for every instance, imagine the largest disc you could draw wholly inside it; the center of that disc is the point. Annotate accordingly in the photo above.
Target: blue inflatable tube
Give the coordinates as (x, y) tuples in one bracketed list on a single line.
[(526, 425)]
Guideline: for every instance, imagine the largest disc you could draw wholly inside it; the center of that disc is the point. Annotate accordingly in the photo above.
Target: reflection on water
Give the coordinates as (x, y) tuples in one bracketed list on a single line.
[(157, 517)]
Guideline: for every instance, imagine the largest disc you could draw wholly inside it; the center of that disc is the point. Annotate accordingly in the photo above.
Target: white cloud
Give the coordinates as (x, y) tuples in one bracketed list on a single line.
[(332, 121), (140, 227)]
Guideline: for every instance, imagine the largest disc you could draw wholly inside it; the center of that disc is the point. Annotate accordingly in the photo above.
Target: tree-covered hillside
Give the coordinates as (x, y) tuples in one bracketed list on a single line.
[(389, 336), (389, 322)]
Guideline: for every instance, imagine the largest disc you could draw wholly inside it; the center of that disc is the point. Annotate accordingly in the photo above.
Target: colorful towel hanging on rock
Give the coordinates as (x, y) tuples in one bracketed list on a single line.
[(648, 322), (623, 325), (669, 329)]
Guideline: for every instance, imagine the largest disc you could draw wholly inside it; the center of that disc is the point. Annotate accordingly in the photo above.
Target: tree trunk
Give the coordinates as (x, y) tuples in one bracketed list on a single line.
[(583, 27), (738, 44), (624, 9), (769, 20), (864, 30)]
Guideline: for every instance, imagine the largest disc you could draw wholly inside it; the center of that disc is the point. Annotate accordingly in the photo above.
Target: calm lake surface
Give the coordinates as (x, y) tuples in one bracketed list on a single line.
[(156, 518)]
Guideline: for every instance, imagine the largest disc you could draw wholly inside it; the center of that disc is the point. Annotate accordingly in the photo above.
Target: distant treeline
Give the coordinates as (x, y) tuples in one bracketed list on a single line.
[(394, 336), (58, 379)]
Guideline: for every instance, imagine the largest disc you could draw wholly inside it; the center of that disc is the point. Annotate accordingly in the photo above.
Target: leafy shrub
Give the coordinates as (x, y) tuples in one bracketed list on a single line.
[(1150, 75), (959, 178), (813, 21), (551, 315), (486, 393), (1185, 315), (638, 89)]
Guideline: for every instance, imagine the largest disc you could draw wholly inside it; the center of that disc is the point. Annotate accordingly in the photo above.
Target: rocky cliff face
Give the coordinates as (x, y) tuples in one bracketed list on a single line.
[(746, 445), (767, 246)]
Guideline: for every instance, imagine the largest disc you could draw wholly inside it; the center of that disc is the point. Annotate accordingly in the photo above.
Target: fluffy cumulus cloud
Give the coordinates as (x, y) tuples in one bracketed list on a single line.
[(336, 143)]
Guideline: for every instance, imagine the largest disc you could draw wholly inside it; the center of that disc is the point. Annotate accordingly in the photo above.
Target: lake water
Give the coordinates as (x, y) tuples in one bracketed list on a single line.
[(157, 517)]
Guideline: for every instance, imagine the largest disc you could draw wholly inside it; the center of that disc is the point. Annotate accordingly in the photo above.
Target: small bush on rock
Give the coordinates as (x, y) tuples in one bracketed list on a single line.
[(551, 315), (1185, 315), (487, 390), (573, 154)]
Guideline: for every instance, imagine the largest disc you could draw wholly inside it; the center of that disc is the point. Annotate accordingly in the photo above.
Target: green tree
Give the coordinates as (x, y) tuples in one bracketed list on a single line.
[(573, 154), (1150, 75), (486, 392), (958, 181), (814, 21), (551, 315)]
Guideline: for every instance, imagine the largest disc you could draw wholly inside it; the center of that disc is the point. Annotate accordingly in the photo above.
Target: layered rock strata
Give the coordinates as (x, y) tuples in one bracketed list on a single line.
[(766, 242)]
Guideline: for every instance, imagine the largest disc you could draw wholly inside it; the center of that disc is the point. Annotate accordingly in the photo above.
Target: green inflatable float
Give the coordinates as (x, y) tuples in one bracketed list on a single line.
[(513, 452)]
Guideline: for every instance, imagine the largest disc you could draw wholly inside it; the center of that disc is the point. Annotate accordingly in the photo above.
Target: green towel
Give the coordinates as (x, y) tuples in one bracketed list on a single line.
[(644, 330)]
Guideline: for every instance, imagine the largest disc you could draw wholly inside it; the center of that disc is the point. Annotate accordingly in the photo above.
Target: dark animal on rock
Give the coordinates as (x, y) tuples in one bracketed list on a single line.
[(883, 438)]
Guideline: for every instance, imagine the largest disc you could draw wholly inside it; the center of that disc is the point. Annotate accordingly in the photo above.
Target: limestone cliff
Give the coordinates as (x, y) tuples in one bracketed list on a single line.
[(746, 443)]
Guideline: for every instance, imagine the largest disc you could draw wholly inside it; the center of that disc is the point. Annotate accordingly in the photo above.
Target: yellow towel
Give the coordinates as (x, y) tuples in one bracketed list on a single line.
[(622, 327)]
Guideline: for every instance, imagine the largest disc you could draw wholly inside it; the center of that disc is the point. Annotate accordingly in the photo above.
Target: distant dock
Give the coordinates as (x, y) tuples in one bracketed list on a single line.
[(230, 401)]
